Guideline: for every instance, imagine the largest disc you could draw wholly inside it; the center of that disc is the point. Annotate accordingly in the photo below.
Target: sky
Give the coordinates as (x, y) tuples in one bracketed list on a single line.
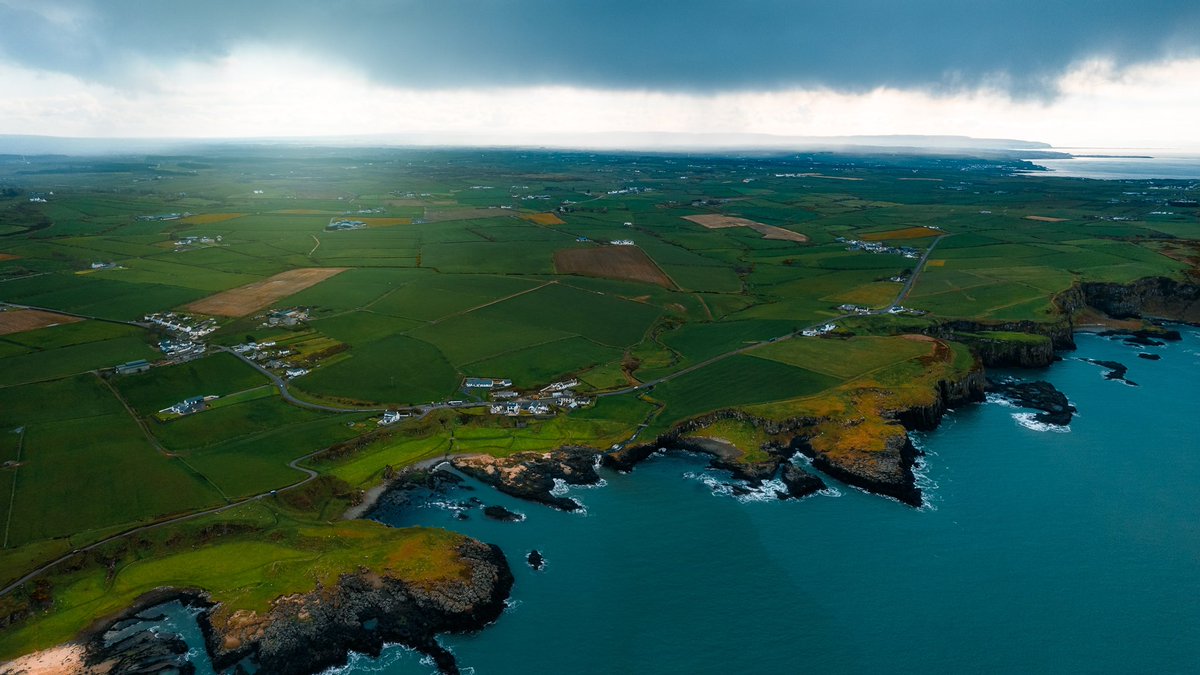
[(1080, 73)]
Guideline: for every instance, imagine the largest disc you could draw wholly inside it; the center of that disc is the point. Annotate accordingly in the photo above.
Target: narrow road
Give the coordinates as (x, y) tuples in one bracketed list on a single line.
[(423, 410), (315, 247), (904, 291)]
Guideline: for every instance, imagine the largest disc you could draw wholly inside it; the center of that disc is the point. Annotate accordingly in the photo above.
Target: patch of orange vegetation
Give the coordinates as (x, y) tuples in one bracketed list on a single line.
[(717, 221), (1047, 219), (210, 218), (906, 233), (544, 219), (253, 297), (8, 256), (935, 263), (21, 320)]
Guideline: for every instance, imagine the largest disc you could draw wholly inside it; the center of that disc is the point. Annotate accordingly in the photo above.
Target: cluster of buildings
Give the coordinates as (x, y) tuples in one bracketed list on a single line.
[(879, 247), (191, 241), (622, 242), (336, 225), (286, 317), (906, 311), (184, 334), (817, 332), (630, 191), (854, 309), (38, 200), (392, 416), (188, 405), (98, 266), (363, 212), (181, 324), (163, 217)]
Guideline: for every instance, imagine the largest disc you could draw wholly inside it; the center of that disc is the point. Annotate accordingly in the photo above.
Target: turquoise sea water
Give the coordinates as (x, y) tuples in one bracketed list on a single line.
[(1040, 551), (1158, 165)]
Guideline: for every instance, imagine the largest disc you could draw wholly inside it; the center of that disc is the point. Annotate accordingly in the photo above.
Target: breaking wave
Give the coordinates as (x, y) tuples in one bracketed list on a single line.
[(1027, 420)]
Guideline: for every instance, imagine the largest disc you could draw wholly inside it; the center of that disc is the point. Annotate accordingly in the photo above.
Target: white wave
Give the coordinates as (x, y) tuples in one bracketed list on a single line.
[(1000, 400), (766, 492), (391, 654), (560, 488), (1027, 420), (590, 486)]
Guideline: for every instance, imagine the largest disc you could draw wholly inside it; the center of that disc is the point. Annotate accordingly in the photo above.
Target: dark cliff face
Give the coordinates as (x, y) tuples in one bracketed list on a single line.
[(1006, 353), (308, 633), (950, 393), (531, 475), (888, 472), (1157, 297)]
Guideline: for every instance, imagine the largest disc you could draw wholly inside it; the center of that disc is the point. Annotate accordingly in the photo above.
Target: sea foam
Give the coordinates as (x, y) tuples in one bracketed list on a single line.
[(1027, 420)]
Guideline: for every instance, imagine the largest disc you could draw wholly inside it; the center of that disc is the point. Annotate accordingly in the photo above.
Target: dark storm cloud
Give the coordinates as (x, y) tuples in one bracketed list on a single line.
[(698, 45)]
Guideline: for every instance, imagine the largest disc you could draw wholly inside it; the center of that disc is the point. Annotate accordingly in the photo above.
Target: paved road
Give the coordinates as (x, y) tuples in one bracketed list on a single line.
[(309, 475)]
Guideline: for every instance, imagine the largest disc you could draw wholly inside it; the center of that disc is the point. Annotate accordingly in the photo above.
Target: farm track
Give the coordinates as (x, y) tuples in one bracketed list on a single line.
[(904, 291)]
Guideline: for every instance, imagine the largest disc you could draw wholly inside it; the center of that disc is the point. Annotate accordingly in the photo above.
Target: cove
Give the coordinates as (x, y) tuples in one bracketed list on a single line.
[(1039, 550)]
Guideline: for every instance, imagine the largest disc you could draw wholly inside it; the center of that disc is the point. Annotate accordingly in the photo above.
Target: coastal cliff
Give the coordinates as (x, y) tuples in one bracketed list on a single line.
[(300, 633), (309, 632), (1156, 297), (532, 475)]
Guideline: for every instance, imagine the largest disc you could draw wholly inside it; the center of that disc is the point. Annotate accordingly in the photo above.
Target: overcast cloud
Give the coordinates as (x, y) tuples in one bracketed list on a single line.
[(696, 46)]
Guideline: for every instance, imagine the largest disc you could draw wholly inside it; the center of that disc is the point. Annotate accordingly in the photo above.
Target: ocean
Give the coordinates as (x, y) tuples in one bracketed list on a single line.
[(1162, 164), (1040, 550)]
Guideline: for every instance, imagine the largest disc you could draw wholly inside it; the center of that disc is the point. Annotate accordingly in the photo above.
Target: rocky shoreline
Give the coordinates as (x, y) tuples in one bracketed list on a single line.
[(309, 632), (532, 475)]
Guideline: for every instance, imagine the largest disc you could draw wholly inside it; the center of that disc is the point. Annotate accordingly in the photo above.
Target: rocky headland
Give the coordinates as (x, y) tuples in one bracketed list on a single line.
[(306, 633), (532, 475)]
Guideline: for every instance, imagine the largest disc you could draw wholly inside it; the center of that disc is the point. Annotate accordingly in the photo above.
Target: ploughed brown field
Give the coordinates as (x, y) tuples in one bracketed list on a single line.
[(21, 320), (716, 221), (253, 297), (625, 263), (906, 233)]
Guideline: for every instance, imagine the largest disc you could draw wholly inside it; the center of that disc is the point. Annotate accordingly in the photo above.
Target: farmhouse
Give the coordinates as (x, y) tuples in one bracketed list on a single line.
[(188, 405), (295, 372), (336, 225), (139, 366), (391, 417), (622, 242), (485, 383), (560, 386)]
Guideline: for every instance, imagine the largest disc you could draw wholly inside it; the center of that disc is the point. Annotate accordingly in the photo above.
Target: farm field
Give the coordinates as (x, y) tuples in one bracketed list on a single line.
[(692, 283)]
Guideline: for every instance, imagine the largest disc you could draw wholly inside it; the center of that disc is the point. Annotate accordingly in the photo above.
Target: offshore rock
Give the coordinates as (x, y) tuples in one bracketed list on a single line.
[(311, 632), (1116, 371), (1148, 356), (799, 482), (535, 560), (1038, 395), (531, 475), (502, 514)]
